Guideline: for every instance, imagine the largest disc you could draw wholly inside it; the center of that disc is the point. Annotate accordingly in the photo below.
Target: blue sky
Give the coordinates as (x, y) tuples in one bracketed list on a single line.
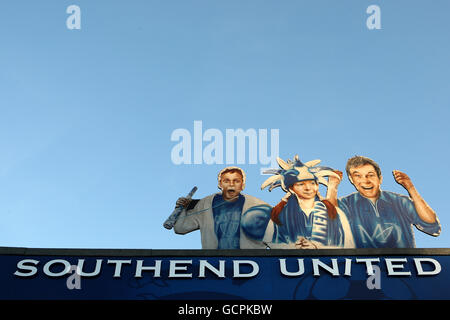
[(86, 115)]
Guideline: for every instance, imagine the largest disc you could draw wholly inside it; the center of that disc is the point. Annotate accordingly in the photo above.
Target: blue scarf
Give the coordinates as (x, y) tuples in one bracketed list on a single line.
[(295, 223)]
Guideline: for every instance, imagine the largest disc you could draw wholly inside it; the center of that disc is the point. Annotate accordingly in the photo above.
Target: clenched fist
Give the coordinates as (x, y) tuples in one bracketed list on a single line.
[(334, 181), (403, 179), (303, 243), (183, 202)]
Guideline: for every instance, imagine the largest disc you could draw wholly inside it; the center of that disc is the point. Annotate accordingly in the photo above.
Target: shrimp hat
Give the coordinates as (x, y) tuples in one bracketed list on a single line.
[(294, 171)]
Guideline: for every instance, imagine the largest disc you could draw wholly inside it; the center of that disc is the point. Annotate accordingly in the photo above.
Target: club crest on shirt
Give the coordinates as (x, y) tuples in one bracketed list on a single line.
[(388, 232)]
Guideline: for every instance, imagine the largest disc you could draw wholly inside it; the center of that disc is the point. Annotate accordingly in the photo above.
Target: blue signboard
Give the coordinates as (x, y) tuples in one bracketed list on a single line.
[(229, 274)]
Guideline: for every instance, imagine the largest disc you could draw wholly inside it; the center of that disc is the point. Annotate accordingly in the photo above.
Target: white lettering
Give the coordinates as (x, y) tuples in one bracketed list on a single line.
[(420, 272), (74, 281), (22, 264), (176, 265), (368, 262), (241, 268), (240, 136), (373, 21), (348, 267), (391, 267), (264, 157), (96, 272), (198, 143), (334, 270), (74, 20), (118, 268), (49, 264), (181, 152), (156, 268), (374, 281), (237, 266), (206, 265), (299, 272), (189, 310), (213, 152)]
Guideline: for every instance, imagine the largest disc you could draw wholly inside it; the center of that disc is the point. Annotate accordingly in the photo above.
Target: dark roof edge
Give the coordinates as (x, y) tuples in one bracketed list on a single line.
[(221, 253)]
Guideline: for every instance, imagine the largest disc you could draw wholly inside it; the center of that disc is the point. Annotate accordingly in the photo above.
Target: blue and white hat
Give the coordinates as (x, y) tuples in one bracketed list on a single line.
[(294, 171)]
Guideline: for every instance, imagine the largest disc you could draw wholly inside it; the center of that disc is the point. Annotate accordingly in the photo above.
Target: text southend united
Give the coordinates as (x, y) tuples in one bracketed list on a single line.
[(241, 268)]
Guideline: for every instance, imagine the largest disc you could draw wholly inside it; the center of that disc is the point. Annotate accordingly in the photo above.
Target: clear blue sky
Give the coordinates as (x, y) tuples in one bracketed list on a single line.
[(86, 115)]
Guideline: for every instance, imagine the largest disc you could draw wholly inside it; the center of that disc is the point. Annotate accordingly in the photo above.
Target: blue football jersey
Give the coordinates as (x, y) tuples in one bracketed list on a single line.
[(387, 223)]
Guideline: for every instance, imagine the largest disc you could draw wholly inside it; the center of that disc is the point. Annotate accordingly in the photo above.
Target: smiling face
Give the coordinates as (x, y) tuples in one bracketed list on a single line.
[(231, 184), (306, 189), (366, 181)]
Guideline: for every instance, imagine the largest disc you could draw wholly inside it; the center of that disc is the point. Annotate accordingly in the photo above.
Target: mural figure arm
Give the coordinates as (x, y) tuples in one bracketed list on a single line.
[(332, 189), (425, 212), (185, 222)]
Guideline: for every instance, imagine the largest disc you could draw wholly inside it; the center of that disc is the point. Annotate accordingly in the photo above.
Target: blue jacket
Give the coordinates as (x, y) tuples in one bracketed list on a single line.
[(385, 224)]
